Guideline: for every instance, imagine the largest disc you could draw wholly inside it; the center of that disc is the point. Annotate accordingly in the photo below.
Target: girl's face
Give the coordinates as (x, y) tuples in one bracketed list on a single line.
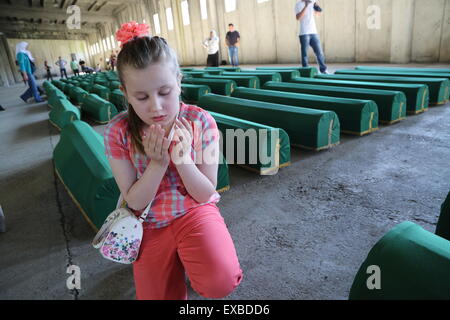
[(154, 93)]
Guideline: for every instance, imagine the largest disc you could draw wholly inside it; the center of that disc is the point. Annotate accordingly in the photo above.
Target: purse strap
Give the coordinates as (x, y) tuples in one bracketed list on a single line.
[(143, 215)]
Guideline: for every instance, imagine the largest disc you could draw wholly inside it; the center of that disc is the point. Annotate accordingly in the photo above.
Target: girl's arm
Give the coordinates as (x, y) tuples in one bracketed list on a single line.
[(139, 193), (200, 180)]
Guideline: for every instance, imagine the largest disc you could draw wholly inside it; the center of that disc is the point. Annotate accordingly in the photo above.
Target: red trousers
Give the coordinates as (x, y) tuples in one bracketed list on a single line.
[(197, 244)]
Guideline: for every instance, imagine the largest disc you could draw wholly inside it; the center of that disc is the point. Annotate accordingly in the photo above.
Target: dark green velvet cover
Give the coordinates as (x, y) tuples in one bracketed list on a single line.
[(241, 80), (443, 225), (282, 146), (307, 128), (263, 76), (414, 264), (63, 113), (391, 104), (438, 86), (98, 109), (77, 95), (286, 74), (102, 91), (357, 117), (191, 93), (118, 99), (218, 86), (417, 95), (432, 70), (307, 72), (394, 73)]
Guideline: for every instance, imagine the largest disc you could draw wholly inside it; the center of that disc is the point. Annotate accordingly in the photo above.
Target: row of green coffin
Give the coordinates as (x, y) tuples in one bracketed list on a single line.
[(438, 87), (417, 95), (307, 128), (408, 263), (412, 70), (82, 166), (391, 104), (308, 72), (358, 117)]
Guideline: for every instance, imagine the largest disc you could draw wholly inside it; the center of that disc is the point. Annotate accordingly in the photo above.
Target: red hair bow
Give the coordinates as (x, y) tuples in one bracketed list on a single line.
[(129, 31)]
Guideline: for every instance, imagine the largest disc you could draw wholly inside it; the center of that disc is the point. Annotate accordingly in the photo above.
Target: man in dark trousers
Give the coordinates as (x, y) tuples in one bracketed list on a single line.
[(304, 11), (232, 41)]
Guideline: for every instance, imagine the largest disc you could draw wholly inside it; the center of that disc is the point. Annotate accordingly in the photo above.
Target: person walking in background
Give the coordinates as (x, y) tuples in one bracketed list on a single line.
[(62, 66), (25, 59), (49, 72), (212, 44), (112, 60), (232, 41), (75, 67), (304, 11)]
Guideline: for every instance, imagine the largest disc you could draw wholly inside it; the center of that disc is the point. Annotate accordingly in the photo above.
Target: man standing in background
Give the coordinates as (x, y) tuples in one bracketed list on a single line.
[(304, 11), (62, 66), (75, 67), (232, 41)]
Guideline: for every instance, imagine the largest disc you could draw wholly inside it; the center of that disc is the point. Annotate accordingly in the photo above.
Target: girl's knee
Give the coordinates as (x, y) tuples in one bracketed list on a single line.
[(219, 284)]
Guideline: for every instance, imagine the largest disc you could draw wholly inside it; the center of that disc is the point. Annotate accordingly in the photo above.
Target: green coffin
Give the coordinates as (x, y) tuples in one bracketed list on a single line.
[(416, 94), (191, 93), (307, 72), (98, 109), (223, 177), (215, 72), (77, 95), (286, 74), (63, 113), (391, 104), (67, 88), (114, 85), (443, 225), (241, 81), (413, 264), (438, 86), (102, 82), (218, 86), (431, 70), (227, 69), (358, 117), (278, 152), (81, 165), (391, 73), (118, 99), (307, 128), (194, 74), (187, 69), (263, 76), (87, 86), (101, 91)]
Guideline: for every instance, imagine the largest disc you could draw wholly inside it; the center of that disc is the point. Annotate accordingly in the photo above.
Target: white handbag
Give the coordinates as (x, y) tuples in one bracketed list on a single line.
[(120, 236)]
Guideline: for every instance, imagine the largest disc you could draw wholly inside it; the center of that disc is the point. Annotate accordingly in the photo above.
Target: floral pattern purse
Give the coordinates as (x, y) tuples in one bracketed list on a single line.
[(120, 236)]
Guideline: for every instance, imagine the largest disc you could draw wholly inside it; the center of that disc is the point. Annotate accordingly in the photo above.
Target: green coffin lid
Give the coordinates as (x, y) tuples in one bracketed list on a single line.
[(81, 164), (358, 117), (228, 69), (263, 76), (443, 225), (438, 86), (218, 86), (279, 152), (77, 95), (114, 85), (430, 70), (63, 113), (307, 128), (307, 72), (98, 109), (101, 91), (241, 80), (286, 74), (417, 95), (118, 99), (391, 104), (393, 73), (191, 93), (413, 264)]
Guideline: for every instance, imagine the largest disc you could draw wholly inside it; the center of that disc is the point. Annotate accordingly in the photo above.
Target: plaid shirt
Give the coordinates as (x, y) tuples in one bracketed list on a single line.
[(172, 199)]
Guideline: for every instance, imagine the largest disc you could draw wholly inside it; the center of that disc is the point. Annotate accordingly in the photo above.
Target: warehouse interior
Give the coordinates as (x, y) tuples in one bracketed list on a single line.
[(306, 231)]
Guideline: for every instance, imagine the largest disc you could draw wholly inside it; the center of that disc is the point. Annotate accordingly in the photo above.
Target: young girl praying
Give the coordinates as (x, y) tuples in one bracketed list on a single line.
[(184, 232)]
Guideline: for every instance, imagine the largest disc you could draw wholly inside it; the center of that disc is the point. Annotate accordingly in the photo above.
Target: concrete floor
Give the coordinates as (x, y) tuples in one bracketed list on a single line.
[(301, 234)]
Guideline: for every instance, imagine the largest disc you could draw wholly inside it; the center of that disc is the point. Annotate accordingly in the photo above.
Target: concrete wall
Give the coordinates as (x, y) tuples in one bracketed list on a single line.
[(50, 50), (407, 30)]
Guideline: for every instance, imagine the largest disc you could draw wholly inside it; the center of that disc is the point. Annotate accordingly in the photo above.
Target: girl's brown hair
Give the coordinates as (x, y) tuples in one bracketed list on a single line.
[(139, 53)]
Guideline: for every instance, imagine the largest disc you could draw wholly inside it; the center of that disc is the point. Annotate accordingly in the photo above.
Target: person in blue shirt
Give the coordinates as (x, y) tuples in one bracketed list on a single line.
[(25, 59)]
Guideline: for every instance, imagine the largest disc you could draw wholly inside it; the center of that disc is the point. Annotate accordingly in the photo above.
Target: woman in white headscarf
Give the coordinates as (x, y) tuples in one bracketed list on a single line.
[(212, 44), (26, 66)]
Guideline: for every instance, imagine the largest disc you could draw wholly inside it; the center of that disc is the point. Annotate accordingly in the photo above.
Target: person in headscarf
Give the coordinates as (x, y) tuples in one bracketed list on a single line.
[(26, 66), (212, 44)]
